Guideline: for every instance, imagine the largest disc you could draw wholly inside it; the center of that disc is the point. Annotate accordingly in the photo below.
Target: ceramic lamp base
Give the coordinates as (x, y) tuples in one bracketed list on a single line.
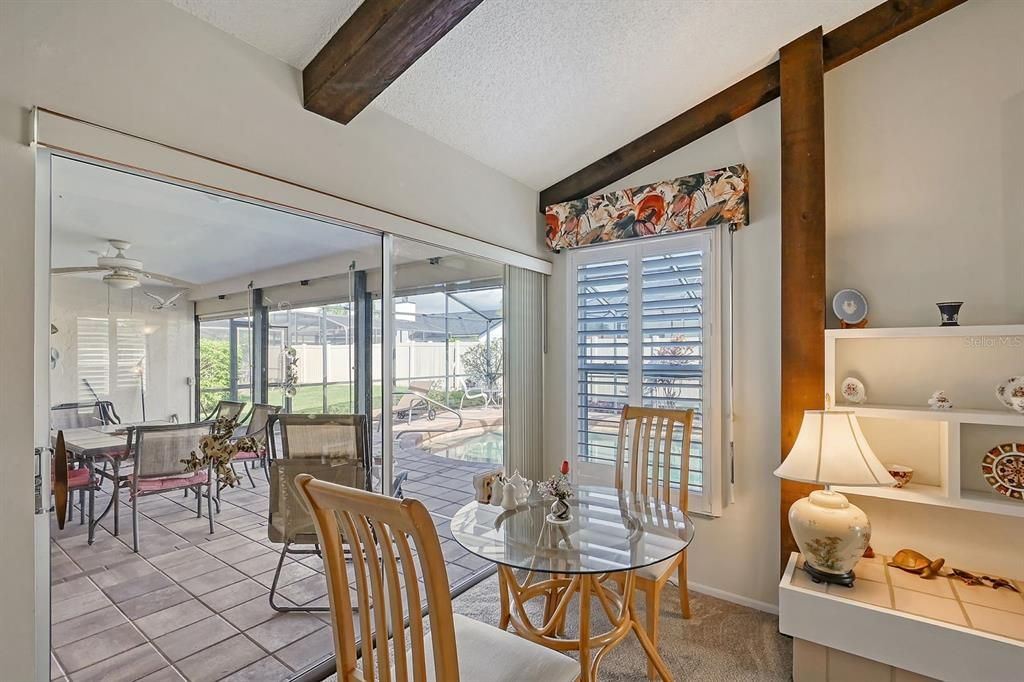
[(831, 533), (844, 579)]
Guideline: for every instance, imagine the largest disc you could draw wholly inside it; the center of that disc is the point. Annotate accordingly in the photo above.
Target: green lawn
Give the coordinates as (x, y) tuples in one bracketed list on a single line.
[(309, 399)]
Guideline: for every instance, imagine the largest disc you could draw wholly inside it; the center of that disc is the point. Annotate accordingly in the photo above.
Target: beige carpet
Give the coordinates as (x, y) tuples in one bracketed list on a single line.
[(721, 641)]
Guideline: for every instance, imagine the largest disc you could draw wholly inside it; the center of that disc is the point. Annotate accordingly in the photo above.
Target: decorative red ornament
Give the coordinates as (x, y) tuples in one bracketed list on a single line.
[(565, 467)]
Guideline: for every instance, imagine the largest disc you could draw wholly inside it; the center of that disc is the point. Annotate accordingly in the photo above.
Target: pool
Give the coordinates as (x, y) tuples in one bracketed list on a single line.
[(470, 445)]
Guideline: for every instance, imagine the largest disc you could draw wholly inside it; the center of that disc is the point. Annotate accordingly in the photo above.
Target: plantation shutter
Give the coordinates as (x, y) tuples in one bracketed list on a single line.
[(93, 358), (673, 362), (602, 329), (643, 338)]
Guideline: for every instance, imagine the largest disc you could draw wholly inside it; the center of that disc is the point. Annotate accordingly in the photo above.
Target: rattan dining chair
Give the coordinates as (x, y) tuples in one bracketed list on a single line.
[(393, 545), (342, 439), (257, 430), (159, 467), (648, 441)]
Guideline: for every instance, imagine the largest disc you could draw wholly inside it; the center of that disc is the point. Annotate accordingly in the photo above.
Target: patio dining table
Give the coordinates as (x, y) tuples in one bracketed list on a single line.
[(93, 445), (595, 555)]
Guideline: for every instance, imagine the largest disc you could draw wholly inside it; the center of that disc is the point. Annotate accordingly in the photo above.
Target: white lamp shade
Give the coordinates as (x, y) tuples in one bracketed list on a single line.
[(831, 450)]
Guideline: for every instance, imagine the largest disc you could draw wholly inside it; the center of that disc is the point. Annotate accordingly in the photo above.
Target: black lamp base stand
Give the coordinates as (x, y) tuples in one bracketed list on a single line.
[(844, 579)]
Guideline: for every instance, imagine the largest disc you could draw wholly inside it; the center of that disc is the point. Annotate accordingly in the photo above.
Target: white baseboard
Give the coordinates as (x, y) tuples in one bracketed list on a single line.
[(734, 598)]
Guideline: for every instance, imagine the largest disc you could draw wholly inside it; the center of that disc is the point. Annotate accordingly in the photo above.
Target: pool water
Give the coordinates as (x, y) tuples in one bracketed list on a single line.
[(487, 447)]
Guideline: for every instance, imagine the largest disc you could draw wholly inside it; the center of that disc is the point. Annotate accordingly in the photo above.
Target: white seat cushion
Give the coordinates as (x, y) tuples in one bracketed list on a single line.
[(656, 571), (487, 654)]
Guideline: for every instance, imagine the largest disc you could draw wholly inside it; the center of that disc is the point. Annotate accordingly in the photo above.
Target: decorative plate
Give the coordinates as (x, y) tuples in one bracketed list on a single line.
[(1003, 467), (850, 306), (853, 391), (1010, 389)]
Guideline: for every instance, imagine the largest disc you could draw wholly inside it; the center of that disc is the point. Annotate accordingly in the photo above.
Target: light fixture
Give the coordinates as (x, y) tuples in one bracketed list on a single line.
[(120, 279), (831, 533)]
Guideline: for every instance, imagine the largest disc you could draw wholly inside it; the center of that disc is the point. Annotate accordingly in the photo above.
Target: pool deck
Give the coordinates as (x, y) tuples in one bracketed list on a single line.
[(194, 606)]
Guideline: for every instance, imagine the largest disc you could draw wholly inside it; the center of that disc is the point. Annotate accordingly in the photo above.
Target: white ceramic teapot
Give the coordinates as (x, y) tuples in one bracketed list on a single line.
[(522, 486)]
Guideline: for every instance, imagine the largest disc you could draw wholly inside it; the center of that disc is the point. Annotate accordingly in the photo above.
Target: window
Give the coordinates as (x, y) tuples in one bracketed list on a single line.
[(93, 358), (645, 315)]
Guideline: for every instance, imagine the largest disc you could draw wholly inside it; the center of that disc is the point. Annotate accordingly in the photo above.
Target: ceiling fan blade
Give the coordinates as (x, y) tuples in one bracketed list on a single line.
[(68, 271), (165, 278)]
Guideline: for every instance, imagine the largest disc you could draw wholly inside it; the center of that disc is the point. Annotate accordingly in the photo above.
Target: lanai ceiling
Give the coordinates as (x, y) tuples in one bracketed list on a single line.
[(539, 88)]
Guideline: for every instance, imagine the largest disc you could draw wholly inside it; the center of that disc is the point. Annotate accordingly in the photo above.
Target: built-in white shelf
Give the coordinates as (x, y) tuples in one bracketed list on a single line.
[(907, 363), (991, 330), (1005, 417)]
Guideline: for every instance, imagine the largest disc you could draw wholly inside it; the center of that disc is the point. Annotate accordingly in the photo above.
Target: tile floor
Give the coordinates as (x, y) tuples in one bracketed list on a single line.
[(194, 606)]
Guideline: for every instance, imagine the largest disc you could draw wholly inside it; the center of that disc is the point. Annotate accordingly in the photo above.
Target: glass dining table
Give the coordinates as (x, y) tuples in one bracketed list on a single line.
[(612, 534)]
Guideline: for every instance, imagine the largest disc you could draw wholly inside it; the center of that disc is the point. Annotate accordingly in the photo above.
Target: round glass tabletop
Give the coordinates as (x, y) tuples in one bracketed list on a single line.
[(611, 530)]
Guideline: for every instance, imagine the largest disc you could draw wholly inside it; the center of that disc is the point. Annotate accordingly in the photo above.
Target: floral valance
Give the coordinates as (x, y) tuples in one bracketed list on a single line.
[(692, 202)]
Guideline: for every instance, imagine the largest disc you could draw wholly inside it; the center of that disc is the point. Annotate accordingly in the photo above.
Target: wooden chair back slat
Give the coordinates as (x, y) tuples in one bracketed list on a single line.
[(387, 540), (647, 434)]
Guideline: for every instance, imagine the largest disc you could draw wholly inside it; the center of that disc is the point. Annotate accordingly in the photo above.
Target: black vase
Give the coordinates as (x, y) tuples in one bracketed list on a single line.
[(950, 312)]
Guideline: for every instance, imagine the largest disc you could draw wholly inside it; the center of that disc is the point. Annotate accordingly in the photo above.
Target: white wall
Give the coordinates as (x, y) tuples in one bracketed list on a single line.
[(170, 357), (151, 69), (926, 203), (925, 192)]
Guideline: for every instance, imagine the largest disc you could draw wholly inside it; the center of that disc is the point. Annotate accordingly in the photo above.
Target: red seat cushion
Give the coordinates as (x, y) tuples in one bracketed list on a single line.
[(243, 455), (78, 478), (157, 484)]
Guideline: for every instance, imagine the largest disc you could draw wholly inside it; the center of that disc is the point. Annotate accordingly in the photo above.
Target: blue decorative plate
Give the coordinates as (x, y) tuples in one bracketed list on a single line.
[(850, 306)]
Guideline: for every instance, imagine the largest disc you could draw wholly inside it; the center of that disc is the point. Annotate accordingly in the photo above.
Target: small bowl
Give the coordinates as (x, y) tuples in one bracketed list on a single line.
[(901, 473)]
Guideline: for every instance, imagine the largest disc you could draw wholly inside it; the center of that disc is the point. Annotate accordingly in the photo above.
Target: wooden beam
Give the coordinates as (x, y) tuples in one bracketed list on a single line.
[(375, 46), (802, 104), (736, 100), (879, 25), (869, 30)]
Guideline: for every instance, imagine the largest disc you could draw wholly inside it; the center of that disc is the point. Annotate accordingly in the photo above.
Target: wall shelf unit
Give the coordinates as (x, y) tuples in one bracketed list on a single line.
[(900, 368)]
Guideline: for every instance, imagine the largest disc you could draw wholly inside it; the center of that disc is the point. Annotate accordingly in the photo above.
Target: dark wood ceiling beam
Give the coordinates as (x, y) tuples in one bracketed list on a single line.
[(375, 46), (736, 100), (802, 115), (867, 31)]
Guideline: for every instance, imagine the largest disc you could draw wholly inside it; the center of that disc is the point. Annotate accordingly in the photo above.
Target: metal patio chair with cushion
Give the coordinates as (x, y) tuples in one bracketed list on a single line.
[(66, 481), (159, 452), (256, 433), (80, 415), (226, 408), (394, 544), (653, 437), (342, 440)]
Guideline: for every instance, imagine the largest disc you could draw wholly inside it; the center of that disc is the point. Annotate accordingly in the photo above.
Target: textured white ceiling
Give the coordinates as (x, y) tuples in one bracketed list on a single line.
[(291, 30), (539, 88), (182, 232)]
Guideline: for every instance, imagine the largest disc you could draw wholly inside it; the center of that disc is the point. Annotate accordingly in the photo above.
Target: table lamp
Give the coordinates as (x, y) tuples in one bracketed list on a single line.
[(831, 533)]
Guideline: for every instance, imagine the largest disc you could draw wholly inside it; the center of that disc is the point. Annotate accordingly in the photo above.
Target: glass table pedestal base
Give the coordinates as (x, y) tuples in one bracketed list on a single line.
[(613, 593)]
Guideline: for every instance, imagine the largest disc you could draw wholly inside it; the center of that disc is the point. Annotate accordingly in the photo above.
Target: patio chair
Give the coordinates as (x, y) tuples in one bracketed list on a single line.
[(416, 398), (394, 545), (226, 408), (159, 451), (472, 391), (340, 439), (66, 481), (81, 415), (259, 418)]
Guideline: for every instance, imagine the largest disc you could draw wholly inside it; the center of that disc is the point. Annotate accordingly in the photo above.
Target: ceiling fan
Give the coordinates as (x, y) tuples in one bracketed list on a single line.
[(122, 272)]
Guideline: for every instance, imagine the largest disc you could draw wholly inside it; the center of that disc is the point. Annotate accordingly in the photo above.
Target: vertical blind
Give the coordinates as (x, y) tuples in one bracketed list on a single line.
[(523, 346), (640, 340)]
